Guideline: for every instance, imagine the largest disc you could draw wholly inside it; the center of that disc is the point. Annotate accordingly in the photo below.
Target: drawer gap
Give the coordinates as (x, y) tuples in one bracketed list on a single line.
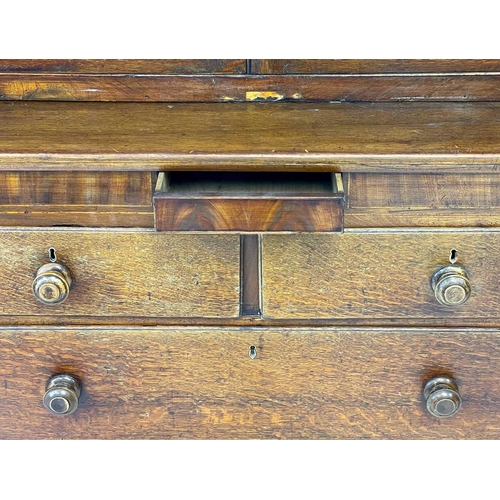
[(251, 183)]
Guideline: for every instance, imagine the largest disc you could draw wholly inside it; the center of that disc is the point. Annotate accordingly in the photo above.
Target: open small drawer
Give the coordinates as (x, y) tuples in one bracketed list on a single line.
[(249, 202)]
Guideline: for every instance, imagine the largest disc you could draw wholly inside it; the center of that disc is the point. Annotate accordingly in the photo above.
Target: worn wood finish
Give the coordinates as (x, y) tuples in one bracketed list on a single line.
[(405, 200), (246, 202), (333, 137), (123, 66), (378, 274), (201, 383), (439, 87), (124, 273), (367, 66)]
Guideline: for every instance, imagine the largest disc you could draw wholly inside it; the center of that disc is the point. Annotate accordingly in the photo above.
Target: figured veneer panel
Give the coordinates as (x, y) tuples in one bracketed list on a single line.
[(200, 383), (376, 274), (395, 137), (124, 273)]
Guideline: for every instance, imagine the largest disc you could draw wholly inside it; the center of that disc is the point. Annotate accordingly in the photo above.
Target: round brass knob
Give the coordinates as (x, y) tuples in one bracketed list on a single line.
[(441, 397), (62, 394), (52, 283), (451, 285)]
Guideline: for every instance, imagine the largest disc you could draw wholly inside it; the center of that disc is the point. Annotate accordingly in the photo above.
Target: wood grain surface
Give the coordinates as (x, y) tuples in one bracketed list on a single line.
[(367, 66), (76, 188), (419, 200), (125, 216), (123, 66), (330, 137), (376, 274), (87, 199), (250, 275), (201, 383), (124, 273), (249, 215), (438, 87)]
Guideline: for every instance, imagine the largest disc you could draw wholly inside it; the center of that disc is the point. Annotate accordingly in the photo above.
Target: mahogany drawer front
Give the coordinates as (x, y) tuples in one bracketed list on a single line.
[(123, 273), (377, 274), (194, 383)]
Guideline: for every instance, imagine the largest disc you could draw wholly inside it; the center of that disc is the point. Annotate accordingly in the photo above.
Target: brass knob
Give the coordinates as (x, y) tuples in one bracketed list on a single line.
[(451, 285), (52, 283), (62, 394), (441, 397)]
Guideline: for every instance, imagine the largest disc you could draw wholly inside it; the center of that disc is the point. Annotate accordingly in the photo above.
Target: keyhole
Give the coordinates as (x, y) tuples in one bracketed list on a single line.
[(252, 352), (453, 256), (52, 254)]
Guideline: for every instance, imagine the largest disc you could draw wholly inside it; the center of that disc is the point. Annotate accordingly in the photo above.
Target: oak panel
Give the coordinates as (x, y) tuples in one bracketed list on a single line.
[(124, 273), (190, 383), (376, 274), (331, 137)]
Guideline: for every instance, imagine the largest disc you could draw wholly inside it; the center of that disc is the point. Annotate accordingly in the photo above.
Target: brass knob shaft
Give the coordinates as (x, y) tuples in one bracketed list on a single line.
[(441, 397), (52, 284), (451, 285), (62, 394)]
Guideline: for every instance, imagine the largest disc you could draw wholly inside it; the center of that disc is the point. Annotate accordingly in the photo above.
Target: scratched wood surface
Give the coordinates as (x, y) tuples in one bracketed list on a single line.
[(201, 383), (399, 137), (454, 87), (124, 273), (419, 200), (378, 274)]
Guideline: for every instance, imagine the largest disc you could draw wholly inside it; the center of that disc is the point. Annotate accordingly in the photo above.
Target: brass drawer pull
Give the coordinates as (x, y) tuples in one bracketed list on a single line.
[(451, 285), (52, 282), (62, 395), (441, 397)]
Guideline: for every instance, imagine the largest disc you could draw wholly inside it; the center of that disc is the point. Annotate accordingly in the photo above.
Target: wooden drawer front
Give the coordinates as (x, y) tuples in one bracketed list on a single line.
[(249, 202), (376, 274), (201, 383), (123, 273)]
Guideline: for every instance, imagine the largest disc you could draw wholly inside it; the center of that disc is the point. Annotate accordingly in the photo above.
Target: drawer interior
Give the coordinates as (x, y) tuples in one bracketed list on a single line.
[(250, 183)]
